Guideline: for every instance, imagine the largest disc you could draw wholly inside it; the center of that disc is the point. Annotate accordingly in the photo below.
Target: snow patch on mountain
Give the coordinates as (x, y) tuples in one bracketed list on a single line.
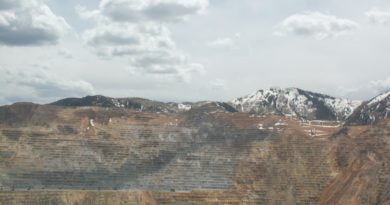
[(378, 99), (377, 108), (184, 107), (295, 102)]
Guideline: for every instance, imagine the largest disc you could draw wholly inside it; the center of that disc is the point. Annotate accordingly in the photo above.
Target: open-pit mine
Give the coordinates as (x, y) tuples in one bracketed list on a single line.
[(207, 154)]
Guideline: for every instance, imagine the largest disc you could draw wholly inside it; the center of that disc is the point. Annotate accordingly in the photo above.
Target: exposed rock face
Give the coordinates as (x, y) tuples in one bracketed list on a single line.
[(144, 105), (208, 154), (99, 148), (274, 101), (372, 111), (295, 102), (130, 103), (362, 157)]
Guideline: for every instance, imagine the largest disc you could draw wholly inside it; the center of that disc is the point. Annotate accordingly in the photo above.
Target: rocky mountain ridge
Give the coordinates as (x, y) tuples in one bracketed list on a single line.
[(130, 103), (371, 111), (296, 102), (145, 105), (292, 102)]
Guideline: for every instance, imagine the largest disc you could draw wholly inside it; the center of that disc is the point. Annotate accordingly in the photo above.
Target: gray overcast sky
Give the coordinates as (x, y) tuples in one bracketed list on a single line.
[(189, 50)]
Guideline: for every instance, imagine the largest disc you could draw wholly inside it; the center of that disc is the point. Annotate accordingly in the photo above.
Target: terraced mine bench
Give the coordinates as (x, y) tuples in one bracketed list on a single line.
[(100, 155)]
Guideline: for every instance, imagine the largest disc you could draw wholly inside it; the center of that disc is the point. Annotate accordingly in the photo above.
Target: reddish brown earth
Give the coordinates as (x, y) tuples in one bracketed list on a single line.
[(57, 155)]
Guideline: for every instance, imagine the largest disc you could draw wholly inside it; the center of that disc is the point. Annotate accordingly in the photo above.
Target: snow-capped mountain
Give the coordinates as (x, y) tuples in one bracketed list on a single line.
[(295, 102), (371, 111), (274, 101)]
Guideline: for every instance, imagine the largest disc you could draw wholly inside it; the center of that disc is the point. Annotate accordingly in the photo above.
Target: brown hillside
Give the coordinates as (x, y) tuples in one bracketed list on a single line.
[(94, 155)]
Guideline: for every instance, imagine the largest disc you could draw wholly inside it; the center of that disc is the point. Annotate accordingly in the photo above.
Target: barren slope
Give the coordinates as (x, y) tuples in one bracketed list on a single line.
[(95, 155)]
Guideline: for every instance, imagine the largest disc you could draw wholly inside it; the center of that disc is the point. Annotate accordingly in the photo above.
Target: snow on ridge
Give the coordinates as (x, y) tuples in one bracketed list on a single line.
[(378, 98), (344, 107), (293, 101), (184, 107), (264, 94), (373, 110)]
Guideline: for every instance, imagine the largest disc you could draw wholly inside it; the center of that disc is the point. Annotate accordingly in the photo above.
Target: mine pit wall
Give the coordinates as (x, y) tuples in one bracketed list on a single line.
[(129, 157), (362, 156), (129, 153)]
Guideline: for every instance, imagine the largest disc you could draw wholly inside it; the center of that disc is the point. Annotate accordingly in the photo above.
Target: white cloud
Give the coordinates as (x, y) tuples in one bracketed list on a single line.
[(370, 89), (218, 84), (221, 43), (137, 30), (65, 53), (7, 4), (167, 65), (119, 39), (40, 84), (381, 86), (226, 42), (378, 16), (26, 23), (151, 10), (315, 24)]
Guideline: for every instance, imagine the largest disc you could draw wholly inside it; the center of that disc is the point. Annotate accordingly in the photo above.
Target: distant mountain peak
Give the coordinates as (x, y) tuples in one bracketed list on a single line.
[(295, 102), (103, 101), (273, 101), (377, 108), (146, 105)]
